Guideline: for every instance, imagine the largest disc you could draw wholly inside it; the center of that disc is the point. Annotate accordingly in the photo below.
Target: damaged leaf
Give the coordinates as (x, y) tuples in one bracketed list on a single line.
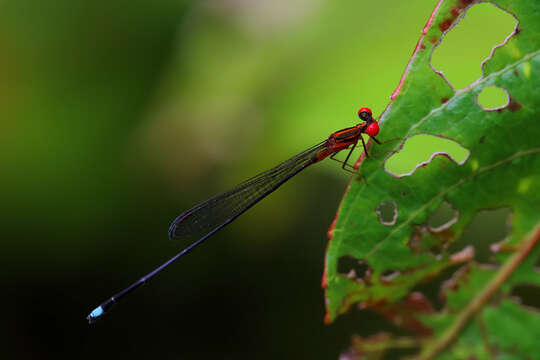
[(502, 170)]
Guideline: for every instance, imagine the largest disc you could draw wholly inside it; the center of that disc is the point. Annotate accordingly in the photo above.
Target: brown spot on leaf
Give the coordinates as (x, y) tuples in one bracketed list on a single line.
[(513, 105), (516, 73), (465, 3), (436, 244), (518, 30), (404, 314), (445, 24), (433, 39), (452, 284), (444, 235), (444, 100), (417, 302), (415, 241), (455, 12), (482, 139)]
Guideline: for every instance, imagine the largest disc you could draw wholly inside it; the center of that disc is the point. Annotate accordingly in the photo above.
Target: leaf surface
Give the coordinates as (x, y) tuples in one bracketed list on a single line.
[(502, 169)]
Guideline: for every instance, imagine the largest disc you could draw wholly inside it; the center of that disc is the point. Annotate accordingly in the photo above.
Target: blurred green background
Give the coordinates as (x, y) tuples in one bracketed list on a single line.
[(118, 115)]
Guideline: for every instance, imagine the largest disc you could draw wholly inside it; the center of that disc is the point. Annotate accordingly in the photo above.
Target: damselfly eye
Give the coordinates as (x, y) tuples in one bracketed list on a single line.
[(364, 113), (373, 129)]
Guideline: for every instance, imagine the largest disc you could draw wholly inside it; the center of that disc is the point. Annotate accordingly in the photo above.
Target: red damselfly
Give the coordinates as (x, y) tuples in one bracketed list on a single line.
[(207, 218)]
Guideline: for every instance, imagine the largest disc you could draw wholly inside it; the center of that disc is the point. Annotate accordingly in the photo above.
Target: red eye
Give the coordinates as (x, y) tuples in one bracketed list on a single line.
[(372, 129), (364, 110)]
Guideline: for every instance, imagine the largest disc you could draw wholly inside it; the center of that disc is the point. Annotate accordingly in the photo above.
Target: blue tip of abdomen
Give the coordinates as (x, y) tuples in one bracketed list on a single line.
[(97, 312)]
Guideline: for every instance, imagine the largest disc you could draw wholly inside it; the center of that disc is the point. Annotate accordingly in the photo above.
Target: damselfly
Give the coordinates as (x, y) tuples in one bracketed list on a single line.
[(207, 218)]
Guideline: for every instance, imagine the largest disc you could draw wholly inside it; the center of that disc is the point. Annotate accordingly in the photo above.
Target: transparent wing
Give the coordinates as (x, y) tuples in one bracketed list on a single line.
[(210, 214)]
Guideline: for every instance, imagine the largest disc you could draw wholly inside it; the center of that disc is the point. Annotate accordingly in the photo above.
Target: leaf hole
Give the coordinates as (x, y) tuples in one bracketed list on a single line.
[(493, 98), (486, 233), (388, 212), (353, 268), (423, 239), (415, 240), (431, 288), (442, 218), (419, 150), (480, 30), (528, 295), (438, 248)]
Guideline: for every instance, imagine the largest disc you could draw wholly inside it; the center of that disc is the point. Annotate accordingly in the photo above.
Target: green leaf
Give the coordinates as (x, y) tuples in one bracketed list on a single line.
[(502, 170)]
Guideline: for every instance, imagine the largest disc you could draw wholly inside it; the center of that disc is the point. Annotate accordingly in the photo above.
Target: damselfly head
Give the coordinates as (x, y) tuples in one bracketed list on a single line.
[(365, 114)]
